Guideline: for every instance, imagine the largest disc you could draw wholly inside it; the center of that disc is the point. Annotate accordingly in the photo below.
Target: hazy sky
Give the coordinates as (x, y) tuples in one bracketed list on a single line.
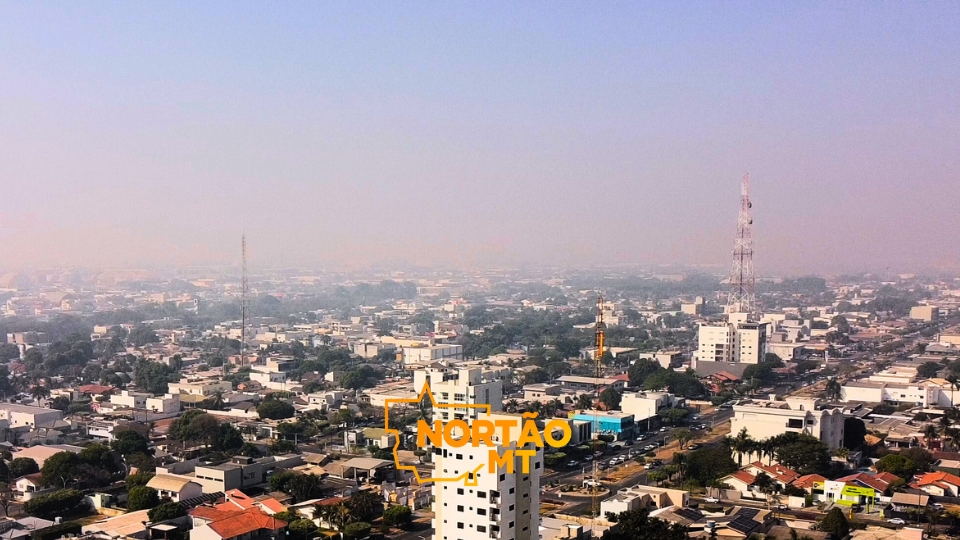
[(481, 133)]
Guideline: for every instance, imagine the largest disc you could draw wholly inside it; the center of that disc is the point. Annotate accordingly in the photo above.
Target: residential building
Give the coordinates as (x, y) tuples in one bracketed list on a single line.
[(579, 383), (643, 497), (498, 505), (765, 419), (176, 488), (200, 387), (133, 400), (423, 354), (540, 391), (924, 313), (464, 386), (29, 416), (41, 453), (738, 341), (248, 524)]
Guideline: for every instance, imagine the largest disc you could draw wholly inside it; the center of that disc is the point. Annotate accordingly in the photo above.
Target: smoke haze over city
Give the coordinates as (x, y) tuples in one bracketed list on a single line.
[(345, 135)]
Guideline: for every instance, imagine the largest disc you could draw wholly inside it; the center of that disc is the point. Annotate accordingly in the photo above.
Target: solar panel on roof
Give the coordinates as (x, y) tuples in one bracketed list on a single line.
[(749, 513), (689, 513), (742, 524)]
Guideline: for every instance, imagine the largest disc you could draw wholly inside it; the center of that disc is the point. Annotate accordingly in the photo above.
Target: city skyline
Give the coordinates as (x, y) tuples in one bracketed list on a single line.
[(481, 136)]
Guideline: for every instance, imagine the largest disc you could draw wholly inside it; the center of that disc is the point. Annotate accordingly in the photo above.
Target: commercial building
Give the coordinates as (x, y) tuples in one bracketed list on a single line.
[(28, 416), (200, 387), (578, 383), (924, 313), (765, 419), (645, 405), (619, 424), (643, 497)]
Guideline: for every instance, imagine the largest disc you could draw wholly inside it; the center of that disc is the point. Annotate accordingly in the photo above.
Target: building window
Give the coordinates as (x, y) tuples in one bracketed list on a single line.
[(481, 528), (481, 511), (482, 494), (511, 508), (459, 508), (459, 491), (459, 525), (512, 490), (511, 524)]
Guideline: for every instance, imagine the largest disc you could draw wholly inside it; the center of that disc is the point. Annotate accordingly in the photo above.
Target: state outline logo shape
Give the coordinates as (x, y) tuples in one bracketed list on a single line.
[(470, 477)]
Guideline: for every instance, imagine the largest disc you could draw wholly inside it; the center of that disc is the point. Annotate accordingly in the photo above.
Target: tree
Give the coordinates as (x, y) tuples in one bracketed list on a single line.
[(229, 438), (610, 399), (303, 487), (584, 401), (139, 479), (302, 528), (638, 525), (195, 426), (833, 390), (357, 530), (928, 370), (59, 469), (835, 523), (365, 505), (23, 466), (130, 442), (58, 503), (672, 416), (709, 464), (854, 432), (60, 403), (39, 392), (142, 498), (398, 516), (803, 453), (142, 335), (166, 511), (682, 435), (642, 369), (840, 323), (897, 464), (153, 377), (9, 351), (275, 409), (6, 498)]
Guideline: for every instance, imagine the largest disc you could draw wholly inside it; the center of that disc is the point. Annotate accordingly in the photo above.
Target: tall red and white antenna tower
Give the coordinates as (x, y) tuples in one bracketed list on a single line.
[(742, 297)]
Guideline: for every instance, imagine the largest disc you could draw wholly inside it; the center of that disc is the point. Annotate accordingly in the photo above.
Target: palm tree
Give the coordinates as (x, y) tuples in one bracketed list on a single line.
[(217, 401), (769, 449), (954, 385), (557, 405), (843, 453), (833, 390), (39, 392), (584, 401), (680, 460), (512, 405), (930, 432), (741, 444)]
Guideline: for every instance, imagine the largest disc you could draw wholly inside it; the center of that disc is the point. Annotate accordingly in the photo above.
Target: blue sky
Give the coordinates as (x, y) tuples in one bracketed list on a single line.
[(479, 133)]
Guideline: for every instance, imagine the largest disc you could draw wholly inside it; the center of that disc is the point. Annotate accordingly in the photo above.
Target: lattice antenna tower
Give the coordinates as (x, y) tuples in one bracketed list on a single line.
[(598, 371), (742, 297), (244, 289)]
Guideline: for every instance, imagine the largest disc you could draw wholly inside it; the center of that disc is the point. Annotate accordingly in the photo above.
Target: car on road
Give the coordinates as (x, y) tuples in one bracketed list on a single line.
[(601, 466), (711, 500), (693, 446), (642, 437), (588, 458), (628, 442), (572, 463), (896, 521), (651, 466), (650, 447), (664, 429), (782, 507)]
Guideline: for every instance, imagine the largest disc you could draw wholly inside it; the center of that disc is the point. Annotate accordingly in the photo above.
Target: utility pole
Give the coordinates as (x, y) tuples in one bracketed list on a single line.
[(742, 297)]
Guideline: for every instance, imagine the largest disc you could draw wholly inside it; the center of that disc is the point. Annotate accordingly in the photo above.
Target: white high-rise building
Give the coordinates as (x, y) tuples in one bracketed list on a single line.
[(465, 386), (738, 341), (501, 505)]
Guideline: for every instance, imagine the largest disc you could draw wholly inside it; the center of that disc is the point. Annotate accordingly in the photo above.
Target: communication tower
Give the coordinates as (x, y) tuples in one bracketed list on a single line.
[(742, 297)]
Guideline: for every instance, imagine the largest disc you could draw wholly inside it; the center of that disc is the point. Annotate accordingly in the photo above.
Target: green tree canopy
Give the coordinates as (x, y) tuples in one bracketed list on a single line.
[(23, 466), (142, 498), (835, 523), (275, 409), (166, 511), (398, 516), (707, 465), (638, 525)]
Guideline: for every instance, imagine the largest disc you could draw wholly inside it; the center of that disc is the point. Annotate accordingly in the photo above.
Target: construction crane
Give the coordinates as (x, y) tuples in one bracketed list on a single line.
[(597, 355)]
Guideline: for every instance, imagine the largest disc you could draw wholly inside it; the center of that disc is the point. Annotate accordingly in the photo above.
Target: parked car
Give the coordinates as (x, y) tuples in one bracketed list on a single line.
[(572, 463), (628, 442), (601, 466), (664, 428), (588, 458), (896, 521), (693, 446), (711, 500)]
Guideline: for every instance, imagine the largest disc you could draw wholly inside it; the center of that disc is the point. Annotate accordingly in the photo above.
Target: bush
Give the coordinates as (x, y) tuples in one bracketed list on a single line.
[(57, 531), (139, 479), (357, 530), (555, 459), (398, 516), (166, 511), (58, 503), (275, 409), (141, 498), (303, 528)]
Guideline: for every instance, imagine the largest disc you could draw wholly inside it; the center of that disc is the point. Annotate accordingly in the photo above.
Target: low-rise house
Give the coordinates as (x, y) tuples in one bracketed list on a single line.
[(176, 488), (941, 484), (244, 525), (28, 487), (643, 497), (41, 453), (23, 528)]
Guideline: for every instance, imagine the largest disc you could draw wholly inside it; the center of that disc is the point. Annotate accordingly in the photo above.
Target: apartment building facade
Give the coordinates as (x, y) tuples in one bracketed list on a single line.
[(765, 419)]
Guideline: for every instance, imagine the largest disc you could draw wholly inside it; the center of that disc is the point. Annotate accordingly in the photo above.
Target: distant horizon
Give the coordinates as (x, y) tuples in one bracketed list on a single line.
[(480, 135)]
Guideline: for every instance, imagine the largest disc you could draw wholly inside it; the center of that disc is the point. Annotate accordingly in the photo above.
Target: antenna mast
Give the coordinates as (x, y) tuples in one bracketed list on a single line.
[(742, 297), (243, 302), (597, 355)]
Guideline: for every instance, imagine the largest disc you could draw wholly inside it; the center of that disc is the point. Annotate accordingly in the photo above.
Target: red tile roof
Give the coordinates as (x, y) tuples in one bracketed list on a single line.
[(246, 522), (777, 471), (867, 480), (807, 481), (744, 477), (938, 478)]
